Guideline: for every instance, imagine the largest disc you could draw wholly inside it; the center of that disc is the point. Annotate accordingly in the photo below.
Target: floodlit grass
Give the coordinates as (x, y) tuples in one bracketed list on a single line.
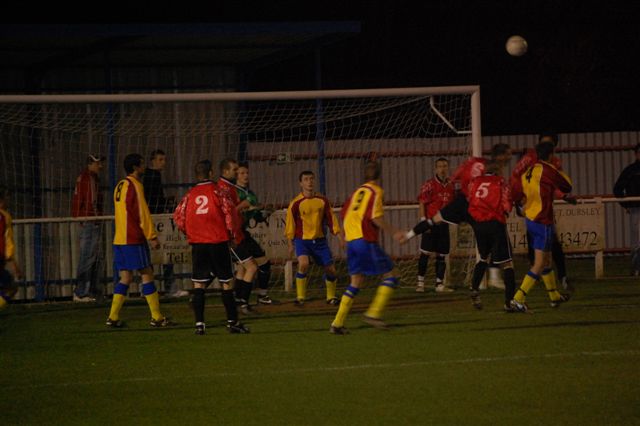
[(441, 363)]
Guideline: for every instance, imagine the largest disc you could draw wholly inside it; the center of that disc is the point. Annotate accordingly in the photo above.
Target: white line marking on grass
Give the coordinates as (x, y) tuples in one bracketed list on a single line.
[(329, 369)]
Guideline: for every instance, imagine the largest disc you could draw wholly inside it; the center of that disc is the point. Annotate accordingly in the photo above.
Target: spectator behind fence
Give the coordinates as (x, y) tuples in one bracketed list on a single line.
[(153, 192), (88, 201), (628, 185)]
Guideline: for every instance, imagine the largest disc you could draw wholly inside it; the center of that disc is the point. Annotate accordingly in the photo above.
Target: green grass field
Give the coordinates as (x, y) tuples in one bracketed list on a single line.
[(440, 363)]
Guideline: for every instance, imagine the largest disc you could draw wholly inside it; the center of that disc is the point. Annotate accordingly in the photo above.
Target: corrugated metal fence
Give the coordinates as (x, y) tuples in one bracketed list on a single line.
[(593, 160)]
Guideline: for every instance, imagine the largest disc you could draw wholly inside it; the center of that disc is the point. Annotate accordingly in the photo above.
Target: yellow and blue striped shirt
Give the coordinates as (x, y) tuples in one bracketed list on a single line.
[(364, 205), (307, 217), (133, 220)]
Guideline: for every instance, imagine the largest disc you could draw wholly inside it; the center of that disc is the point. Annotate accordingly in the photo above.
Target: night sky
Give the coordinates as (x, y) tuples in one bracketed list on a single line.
[(581, 72)]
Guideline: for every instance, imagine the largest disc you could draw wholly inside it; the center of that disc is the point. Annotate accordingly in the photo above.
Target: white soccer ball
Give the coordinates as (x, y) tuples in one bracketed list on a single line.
[(516, 45)]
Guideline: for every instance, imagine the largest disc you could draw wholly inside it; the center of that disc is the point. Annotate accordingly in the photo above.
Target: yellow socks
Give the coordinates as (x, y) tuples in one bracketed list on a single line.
[(119, 294), (301, 286), (330, 282), (549, 280), (345, 306), (383, 294), (153, 300), (3, 301), (527, 283)]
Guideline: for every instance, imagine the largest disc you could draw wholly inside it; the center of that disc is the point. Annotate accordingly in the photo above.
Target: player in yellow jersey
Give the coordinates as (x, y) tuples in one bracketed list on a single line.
[(307, 216), (9, 269), (362, 221), (536, 192), (134, 228)]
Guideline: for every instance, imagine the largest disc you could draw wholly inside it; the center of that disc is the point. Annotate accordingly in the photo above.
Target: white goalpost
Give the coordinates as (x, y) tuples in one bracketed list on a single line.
[(45, 139)]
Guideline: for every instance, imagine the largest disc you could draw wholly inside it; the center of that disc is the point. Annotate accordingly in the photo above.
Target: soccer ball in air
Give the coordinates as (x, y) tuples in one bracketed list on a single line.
[(516, 45)]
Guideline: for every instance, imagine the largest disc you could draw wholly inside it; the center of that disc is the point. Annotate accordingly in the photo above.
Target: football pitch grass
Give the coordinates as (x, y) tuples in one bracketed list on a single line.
[(442, 362)]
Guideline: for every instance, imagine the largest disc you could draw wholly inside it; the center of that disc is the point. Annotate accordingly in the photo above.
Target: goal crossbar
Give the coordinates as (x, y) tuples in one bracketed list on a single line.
[(237, 96)]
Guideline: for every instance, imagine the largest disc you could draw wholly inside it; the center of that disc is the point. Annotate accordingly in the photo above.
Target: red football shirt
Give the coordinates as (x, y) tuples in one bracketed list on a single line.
[(466, 172), (227, 189), (435, 194), (208, 219), (489, 198)]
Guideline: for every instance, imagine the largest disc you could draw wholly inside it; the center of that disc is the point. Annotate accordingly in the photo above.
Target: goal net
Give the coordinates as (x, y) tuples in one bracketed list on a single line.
[(45, 141)]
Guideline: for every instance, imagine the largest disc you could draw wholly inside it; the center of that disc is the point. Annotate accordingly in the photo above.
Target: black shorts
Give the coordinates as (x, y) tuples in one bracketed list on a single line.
[(456, 211), (247, 249), (211, 261), (436, 240), (492, 239)]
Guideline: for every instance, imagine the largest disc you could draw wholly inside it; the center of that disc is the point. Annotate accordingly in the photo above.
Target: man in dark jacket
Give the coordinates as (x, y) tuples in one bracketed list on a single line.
[(628, 185), (154, 194)]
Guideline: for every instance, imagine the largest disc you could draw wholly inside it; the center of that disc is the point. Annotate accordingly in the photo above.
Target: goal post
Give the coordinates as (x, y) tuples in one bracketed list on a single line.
[(45, 140)]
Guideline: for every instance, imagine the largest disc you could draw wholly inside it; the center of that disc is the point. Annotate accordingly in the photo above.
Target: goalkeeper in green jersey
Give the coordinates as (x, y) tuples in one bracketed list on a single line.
[(252, 216)]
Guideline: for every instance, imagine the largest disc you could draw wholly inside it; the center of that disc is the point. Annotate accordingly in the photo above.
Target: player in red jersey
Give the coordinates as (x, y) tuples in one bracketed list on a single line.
[(489, 206), (435, 193), (457, 211), (209, 221), (528, 160), (243, 253)]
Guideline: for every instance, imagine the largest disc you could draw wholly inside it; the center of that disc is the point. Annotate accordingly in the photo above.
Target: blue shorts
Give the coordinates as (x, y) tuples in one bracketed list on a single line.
[(541, 235), (318, 249), (132, 257), (366, 258)]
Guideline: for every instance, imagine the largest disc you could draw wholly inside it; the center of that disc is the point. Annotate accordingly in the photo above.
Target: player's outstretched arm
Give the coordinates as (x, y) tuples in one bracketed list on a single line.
[(400, 236), (383, 224)]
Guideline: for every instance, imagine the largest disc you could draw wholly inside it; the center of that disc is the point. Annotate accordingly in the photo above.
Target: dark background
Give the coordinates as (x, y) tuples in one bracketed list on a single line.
[(581, 73)]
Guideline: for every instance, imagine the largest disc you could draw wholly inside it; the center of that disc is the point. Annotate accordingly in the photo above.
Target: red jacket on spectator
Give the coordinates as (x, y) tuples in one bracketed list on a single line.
[(87, 196)]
